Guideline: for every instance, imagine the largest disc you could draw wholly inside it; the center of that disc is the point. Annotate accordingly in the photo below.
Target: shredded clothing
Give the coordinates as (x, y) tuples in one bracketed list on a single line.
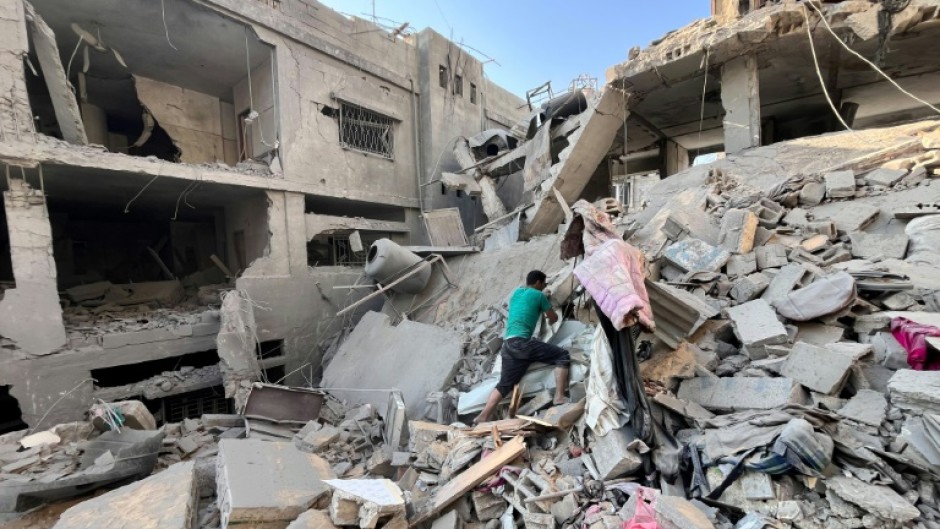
[(526, 305), (519, 353)]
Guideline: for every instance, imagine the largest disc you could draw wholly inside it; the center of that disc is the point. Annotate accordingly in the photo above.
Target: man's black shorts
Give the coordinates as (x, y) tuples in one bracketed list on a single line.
[(519, 353)]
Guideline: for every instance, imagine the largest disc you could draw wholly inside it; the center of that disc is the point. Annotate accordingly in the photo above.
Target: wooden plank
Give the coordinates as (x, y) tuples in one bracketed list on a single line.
[(502, 426), (470, 478)]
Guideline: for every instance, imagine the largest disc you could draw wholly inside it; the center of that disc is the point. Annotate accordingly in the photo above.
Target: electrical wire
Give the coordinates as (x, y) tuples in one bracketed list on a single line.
[(822, 83), (868, 62)]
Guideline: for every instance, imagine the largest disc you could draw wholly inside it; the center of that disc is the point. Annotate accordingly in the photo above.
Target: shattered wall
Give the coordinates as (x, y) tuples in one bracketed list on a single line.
[(193, 120), (30, 314), (15, 114), (262, 131)]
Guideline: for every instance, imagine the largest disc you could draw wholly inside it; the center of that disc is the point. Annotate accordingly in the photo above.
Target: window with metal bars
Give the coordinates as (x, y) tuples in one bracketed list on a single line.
[(365, 130)]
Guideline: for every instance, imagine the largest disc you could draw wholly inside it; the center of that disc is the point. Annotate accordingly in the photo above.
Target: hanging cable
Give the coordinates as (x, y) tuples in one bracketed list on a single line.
[(822, 83), (868, 62)]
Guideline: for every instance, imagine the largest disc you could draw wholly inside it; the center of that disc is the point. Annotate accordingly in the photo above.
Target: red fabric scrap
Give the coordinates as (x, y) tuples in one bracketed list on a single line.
[(913, 338)]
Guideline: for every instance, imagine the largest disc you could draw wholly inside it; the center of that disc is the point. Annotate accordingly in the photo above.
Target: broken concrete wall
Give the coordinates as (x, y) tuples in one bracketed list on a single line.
[(193, 120), (16, 117), (261, 131), (577, 163), (64, 103), (502, 108), (30, 314)]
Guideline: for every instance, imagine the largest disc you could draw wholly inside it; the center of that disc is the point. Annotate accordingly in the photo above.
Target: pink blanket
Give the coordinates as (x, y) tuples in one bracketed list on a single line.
[(913, 337), (613, 273)]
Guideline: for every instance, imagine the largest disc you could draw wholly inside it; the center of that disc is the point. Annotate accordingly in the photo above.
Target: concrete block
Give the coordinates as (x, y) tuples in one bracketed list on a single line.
[(487, 505), (771, 256), (613, 456), (692, 255), (885, 177), (315, 437), (876, 499), (673, 512), (738, 393), (852, 216), (312, 520), (136, 415), (769, 213), (867, 407), (784, 282), (915, 390), (815, 243), (818, 368), (756, 325), (812, 194), (738, 228), (267, 482), (840, 184), (166, 500), (818, 333), (360, 364), (749, 287), (868, 245), (741, 265)]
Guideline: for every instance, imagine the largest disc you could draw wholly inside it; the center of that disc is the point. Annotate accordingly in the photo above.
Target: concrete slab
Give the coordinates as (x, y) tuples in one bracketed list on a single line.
[(867, 407), (737, 393), (847, 216), (915, 390), (818, 368), (414, 357), (166, 500), (741, 265), (756, 325), (692, 255), (876, 499), (868, 245), (818, 333), (263, 481), (884, 176), (784, 282), (612, 455)]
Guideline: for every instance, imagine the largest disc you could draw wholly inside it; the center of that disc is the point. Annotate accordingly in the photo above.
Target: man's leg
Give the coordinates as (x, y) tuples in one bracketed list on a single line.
[(553, 355), (491, 403), (512, 371), (561, 384)]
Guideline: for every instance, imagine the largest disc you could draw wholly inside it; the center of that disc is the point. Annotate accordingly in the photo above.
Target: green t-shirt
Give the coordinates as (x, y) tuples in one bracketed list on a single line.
[(525, 307)]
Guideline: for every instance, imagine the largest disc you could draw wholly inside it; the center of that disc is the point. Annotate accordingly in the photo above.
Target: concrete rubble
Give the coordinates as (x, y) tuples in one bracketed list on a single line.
[(788, 378)]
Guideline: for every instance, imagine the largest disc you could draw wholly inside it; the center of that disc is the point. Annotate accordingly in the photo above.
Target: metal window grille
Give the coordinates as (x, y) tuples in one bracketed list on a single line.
[(194, 404), (364, 130)]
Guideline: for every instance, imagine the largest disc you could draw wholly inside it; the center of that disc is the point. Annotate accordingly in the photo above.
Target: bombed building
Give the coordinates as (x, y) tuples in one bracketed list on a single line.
[(260, 254), (152, 161)]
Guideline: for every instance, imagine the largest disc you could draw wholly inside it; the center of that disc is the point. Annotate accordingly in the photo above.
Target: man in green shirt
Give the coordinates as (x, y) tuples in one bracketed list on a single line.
[(520, 349)]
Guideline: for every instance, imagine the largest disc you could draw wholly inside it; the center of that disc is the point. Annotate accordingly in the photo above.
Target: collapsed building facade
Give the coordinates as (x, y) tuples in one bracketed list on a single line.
[(152, 150), (739, 230)]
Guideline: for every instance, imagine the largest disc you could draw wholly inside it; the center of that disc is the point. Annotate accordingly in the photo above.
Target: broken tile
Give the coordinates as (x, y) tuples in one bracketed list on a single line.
[(756, 325), (696, 255), (818, 368)]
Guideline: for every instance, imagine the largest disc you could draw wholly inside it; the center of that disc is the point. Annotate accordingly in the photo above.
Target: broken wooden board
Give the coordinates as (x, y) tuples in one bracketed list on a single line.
[(470, 478), (515, 426)]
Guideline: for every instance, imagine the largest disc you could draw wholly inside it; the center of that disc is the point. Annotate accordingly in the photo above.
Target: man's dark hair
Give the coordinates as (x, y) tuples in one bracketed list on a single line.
[(534, 277)]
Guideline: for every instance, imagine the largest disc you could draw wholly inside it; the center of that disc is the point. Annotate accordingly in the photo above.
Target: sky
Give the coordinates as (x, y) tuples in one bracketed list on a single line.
[(532, 41)]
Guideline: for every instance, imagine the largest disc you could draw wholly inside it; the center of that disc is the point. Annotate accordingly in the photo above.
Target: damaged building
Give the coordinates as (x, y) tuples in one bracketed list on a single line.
[(266, 285), (158, 154)]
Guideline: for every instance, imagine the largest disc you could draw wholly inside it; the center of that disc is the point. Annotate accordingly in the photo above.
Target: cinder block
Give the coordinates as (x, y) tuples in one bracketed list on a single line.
[(769, 213), (812, 194), (771, 256), (738, 228)]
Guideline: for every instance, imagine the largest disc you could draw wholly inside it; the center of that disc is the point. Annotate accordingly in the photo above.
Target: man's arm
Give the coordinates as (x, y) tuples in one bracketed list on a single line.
[(552, 317), (547, 309)]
